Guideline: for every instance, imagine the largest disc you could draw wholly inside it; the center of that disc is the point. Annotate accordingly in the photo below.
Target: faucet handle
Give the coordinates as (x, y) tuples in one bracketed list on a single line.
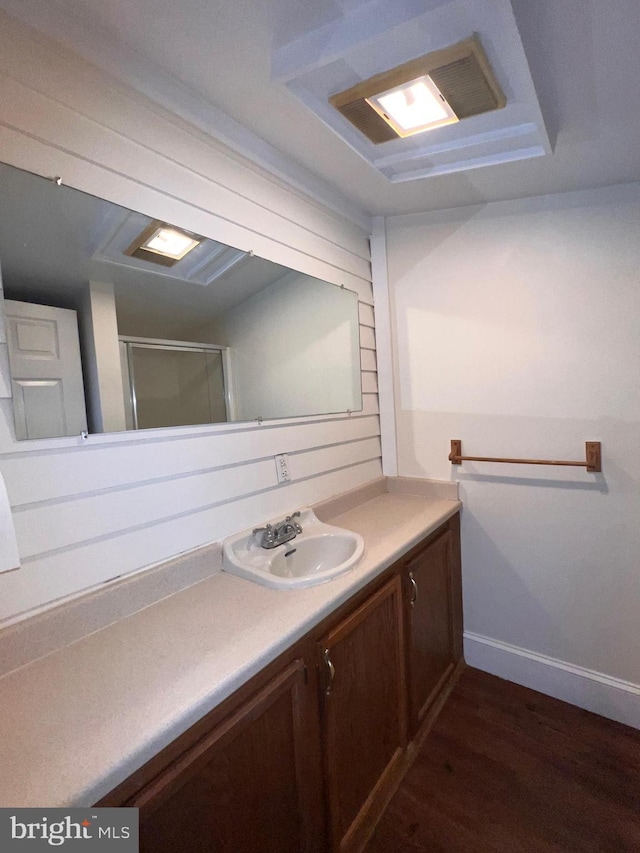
[(267, 534), (292, 520)]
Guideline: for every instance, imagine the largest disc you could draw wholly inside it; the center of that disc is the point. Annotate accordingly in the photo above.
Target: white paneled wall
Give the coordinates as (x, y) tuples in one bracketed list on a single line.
[(86, 512)]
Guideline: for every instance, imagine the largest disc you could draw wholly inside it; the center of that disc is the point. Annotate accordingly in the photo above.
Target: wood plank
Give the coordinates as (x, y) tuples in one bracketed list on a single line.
[(370, 406), (369, 383), (87, 469), (505, 768), (367, 338), (366, 315), (70, 570), (50, 526), (312, 462), (368, 360), (363, 288)]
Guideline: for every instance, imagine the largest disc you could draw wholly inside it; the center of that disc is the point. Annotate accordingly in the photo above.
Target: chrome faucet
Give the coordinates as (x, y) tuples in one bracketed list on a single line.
[(273, 535)]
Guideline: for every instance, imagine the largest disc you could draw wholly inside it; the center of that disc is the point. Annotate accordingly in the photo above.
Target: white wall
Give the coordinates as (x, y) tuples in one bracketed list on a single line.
[(101, 358), (88, 512), (306, 359), (516, 330)]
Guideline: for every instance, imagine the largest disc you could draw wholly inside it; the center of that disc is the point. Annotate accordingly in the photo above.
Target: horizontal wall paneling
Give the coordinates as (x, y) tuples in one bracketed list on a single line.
[(89, 511), (55, 524), (65, 572)]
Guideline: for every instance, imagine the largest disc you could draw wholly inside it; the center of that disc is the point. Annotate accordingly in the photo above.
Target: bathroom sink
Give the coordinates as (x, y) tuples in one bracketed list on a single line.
[(319, 553)]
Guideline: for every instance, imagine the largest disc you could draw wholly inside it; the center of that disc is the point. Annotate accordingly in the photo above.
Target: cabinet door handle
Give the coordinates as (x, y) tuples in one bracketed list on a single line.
[(414, 589), (331, 669)]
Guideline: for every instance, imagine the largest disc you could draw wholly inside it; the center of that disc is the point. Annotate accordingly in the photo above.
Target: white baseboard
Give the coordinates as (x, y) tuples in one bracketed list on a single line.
[(611, 697)]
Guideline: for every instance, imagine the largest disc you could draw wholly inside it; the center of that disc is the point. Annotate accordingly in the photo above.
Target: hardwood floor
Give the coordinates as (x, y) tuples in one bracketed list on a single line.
[(511, 770)]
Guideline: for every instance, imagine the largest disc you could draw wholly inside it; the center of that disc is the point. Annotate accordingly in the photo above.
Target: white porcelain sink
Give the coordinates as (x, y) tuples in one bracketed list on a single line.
[(318, 554)]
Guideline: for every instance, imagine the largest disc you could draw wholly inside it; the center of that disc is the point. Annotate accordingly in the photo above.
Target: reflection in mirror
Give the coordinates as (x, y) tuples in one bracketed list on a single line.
[(118, 321)]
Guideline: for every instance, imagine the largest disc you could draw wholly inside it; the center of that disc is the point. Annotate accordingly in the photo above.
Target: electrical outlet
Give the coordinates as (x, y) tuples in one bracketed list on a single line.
[(282, 467)]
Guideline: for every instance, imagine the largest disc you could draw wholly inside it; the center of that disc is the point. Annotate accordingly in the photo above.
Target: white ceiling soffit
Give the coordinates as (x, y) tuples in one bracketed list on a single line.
[(373, 37)]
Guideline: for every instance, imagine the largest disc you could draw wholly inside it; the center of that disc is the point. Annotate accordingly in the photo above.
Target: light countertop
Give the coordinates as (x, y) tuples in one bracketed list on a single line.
[(76, 723)]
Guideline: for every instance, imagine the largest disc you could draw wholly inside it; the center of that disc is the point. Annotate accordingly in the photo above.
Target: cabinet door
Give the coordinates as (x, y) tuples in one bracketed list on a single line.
[(431, 594), (244, 787), (364, 715)]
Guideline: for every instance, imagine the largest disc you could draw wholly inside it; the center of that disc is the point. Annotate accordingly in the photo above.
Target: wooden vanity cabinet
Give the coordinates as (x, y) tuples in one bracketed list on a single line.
[(245, 787), (363, 710), (246, 777), (304, 757), (433, 618)]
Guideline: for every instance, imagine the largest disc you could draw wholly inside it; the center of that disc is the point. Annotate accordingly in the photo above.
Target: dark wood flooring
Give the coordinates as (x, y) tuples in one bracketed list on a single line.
[(511, 770)]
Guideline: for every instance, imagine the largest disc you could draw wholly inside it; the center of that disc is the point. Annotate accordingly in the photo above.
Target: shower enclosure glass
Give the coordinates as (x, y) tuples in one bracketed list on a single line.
[(174, 383)]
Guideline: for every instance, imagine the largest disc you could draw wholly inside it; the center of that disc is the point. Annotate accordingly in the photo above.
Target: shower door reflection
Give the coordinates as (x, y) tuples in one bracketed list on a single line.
[(174, 383)]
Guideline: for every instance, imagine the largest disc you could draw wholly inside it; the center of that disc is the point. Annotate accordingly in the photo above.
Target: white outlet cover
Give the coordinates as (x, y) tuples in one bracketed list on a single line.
[(282, 467)]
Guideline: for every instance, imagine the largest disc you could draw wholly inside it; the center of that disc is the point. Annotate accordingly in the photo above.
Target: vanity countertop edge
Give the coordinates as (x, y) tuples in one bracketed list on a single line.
[(115, 698)]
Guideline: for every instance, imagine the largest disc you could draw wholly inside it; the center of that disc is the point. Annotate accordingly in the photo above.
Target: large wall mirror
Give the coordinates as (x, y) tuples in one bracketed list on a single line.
[(118, 321)]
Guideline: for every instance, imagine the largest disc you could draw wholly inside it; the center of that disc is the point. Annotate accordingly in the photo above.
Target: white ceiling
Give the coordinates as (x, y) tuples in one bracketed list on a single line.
[(227, 67), (383, 34)]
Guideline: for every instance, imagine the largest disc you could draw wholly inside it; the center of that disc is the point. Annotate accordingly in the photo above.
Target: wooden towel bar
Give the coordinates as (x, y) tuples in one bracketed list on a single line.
[(592, 461)]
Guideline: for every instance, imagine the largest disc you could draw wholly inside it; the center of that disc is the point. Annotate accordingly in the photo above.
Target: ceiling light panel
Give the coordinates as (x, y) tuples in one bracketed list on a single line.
[(170, 243), (425, 93), (163, 244), (203, 264), (413, 107)]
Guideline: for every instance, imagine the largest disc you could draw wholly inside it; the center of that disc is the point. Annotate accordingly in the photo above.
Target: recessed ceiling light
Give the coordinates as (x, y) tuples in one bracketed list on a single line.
[(170, 243), (438, 88), (413, 107), (163, 244)]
